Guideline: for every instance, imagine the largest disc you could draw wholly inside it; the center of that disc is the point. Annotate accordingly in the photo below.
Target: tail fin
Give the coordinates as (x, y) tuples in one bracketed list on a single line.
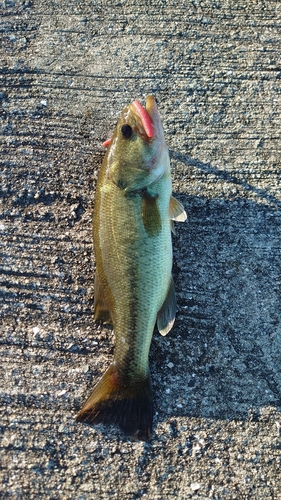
[(113, 401)]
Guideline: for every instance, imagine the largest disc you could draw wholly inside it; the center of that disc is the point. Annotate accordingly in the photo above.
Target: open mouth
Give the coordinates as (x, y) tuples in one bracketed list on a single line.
[(145, 118), (148, 118)]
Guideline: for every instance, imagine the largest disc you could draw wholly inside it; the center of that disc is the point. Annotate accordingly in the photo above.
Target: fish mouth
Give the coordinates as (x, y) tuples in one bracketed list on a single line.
[(144, 118), (151, 108), (149, 117)]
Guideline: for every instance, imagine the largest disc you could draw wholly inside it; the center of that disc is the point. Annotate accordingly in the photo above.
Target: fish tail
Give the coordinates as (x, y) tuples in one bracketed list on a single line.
[(116, 401)]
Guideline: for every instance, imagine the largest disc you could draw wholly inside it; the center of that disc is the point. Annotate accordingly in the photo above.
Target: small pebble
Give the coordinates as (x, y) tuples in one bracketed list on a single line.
[(195, 486)]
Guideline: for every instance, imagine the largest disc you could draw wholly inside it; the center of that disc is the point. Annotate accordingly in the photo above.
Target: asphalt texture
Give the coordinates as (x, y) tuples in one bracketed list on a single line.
[(67, 71)]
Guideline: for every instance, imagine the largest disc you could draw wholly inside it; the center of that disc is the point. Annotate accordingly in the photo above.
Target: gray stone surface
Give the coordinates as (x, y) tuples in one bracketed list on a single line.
[(67, 70)]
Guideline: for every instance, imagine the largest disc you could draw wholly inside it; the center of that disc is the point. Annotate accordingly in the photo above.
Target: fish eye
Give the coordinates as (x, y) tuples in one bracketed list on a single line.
[(127, 131)]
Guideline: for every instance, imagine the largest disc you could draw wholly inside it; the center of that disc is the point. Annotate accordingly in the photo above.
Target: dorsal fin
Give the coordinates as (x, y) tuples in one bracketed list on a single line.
[(102, 312)]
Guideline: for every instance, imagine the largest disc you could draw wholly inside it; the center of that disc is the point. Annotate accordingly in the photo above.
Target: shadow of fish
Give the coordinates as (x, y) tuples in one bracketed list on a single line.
[(133, 217)]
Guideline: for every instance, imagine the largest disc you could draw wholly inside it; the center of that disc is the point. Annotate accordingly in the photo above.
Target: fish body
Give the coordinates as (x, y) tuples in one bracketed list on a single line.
[(133, 249)]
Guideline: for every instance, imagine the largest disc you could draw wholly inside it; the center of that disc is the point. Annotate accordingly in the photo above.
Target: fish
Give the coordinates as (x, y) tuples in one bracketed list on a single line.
[(134, 213)]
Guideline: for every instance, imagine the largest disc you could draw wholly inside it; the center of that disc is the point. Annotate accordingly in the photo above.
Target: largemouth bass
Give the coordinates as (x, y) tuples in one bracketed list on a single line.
[(133, 216)]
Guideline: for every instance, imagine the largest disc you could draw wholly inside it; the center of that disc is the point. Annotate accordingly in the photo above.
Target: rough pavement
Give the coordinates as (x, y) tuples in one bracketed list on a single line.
[(67, 70)]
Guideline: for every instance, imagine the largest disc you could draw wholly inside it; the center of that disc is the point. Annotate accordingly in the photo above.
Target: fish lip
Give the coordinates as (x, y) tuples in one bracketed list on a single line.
[(150, 104), (152, 110)]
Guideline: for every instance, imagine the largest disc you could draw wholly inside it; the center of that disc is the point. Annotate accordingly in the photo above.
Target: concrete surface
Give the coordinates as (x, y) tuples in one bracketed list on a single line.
[(67, 70)]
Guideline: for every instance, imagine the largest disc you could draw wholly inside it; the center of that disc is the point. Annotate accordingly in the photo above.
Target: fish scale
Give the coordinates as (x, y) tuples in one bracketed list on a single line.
[(133, 249), (141, 283)]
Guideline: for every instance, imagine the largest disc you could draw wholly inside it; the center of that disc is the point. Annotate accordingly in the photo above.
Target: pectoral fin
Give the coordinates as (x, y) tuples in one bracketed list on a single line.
[(176, 210), (167, 313), (102, 312), (150, 214)]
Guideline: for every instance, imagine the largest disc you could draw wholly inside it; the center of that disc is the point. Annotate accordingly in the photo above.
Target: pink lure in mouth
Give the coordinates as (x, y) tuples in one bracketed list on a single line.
[(145, 119), (106, 143)]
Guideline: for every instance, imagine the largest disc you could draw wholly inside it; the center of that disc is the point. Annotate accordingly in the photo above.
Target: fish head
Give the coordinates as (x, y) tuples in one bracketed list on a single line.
[(138, 154)]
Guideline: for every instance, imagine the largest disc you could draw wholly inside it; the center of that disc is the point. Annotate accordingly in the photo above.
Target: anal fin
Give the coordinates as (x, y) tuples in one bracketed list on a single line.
[(166, 315)]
